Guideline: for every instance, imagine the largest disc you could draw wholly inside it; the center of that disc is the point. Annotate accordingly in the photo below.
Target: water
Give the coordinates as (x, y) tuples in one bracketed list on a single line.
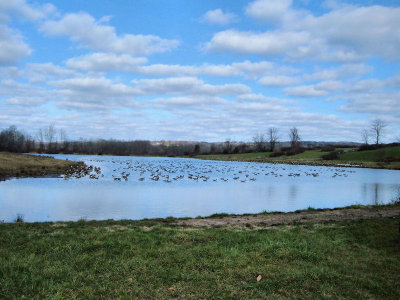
[(150, 187)]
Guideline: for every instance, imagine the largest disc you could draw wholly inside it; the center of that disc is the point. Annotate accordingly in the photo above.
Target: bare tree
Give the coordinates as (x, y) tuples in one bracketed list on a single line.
[(40, 139), (50, 136), (294, 138), (228, 146), (365, 136), (63, 139), (377, 127), (273, 138), (260, 142)]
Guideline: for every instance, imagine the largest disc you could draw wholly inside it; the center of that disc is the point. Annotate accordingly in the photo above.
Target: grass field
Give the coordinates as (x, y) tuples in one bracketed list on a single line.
[(12, 164), (372, 155), (155, 260), (261, 156), (387, 158)]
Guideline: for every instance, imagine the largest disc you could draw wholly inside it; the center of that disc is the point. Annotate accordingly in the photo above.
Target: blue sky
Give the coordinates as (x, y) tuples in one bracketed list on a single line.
[(200, 70)]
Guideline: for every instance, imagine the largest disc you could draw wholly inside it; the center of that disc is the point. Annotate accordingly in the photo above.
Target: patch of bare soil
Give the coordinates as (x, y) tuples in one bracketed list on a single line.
[(318, 216)]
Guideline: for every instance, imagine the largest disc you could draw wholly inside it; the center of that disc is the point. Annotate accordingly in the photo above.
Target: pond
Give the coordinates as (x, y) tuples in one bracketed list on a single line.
[(121, 187)]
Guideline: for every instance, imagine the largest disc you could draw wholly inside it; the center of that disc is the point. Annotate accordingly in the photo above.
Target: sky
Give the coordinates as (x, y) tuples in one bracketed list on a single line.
[(200, 70)]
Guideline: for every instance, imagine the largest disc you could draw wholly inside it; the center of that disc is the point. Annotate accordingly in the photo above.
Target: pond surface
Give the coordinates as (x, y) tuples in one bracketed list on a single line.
[(151, 187)]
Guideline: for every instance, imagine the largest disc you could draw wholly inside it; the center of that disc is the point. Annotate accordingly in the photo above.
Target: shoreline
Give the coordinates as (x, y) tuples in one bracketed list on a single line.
[(17, 165), (231, 158), (322, 163), (257, 220)]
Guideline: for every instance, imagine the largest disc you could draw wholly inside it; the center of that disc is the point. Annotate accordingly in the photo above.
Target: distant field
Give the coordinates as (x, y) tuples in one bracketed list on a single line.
[(12, 164), (388, 157), (372, 155), (240, 156)]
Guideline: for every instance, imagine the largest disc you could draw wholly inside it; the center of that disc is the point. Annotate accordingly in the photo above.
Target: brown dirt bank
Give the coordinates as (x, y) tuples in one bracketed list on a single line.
[(307, 216)]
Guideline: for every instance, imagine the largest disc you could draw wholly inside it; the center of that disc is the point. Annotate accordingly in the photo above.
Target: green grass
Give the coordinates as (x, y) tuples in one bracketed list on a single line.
[(12, 164), (154, 260), (239, 157), (385, 158), (372, 155), (263, 156)]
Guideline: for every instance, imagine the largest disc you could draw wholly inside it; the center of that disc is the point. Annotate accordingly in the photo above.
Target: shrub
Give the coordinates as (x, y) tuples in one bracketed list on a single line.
[(332, 155), (295, 151), (328, 148), (277, 154)]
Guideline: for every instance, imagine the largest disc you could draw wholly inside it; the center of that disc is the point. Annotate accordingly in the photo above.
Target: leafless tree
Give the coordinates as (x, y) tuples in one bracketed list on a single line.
[(365, 136), (228, 146), (260, 142), (273, 138), (377, 128), (294, 138), (40, 139), (50, 136), (63, 139)]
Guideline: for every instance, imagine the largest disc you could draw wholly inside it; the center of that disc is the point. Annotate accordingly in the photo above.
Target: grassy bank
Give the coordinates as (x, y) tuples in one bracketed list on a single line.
[(154, 259), (13, 164), (385, 158)]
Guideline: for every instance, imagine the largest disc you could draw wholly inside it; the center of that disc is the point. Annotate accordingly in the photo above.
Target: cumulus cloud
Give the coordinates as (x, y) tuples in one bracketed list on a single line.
[(128, 63), (268, 10), (316, 90), (188, 86), (218, 17), (376, 104), (12, 46), (96, 86), (344, 71), (40, 73), (245, 68), (268, 43), (280, 80), (21, 8), (106, 62), (84, 29), (345, 33), (92, 94), (196, 103)]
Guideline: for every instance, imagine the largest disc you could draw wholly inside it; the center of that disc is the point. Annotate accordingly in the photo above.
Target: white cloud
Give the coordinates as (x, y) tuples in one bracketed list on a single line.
[(188, 86), (267, 43), (92, 94), (106, 62), (377, 104), (279, 80), (368, 30), (25, 101), (30, 12), (12, 47), (305, 91), (84, 29), (346, 70), (346, 33), (195, 103), (268, 10), (95, 86), (320, 89), (46, 71), (218, 17)]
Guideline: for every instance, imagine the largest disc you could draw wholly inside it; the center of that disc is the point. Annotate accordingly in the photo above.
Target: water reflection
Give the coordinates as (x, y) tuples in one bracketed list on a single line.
[(138, 187)]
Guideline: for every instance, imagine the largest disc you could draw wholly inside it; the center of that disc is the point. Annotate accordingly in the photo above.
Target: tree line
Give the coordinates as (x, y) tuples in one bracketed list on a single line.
[(49, 139)]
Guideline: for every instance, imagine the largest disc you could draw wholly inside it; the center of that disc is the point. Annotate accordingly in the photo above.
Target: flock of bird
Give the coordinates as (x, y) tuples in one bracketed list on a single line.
[(170, 170)]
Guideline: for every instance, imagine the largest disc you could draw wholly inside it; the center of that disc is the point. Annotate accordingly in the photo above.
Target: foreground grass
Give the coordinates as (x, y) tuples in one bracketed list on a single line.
[(385, 158), (13, 164), (155, 260)]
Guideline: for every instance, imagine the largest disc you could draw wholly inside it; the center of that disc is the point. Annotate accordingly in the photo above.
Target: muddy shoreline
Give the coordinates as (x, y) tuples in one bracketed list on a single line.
[(301, 217)]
